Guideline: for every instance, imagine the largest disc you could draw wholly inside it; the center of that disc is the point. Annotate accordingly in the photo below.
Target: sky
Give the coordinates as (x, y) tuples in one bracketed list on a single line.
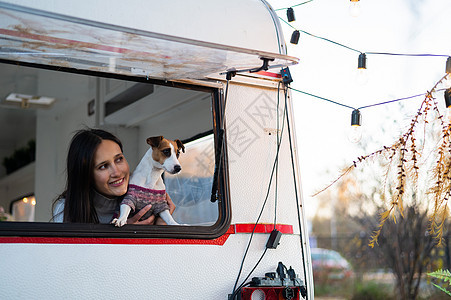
[(330, 71)]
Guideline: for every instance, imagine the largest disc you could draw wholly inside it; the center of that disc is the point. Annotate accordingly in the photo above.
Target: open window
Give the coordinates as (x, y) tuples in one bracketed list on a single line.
[(36, 135), (62, 70)]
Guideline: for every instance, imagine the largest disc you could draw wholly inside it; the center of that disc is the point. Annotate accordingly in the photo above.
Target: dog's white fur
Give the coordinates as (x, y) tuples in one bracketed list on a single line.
[(148, 175)]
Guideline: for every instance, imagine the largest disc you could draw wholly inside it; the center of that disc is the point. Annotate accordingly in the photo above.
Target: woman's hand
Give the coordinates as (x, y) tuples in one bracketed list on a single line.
[(135, 219)]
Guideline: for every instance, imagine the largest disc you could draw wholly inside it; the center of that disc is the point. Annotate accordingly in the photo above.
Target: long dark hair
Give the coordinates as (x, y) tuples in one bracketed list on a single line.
[(79, 191)]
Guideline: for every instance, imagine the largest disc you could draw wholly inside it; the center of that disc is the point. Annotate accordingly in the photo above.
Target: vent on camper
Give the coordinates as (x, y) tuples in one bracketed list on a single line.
[(127, 97)]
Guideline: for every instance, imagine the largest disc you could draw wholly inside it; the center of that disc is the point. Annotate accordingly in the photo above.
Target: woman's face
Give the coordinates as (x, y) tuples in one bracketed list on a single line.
[(111, 170)]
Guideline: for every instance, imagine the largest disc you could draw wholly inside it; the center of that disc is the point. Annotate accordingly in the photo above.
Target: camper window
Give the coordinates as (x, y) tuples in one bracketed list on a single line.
[(42, 108)]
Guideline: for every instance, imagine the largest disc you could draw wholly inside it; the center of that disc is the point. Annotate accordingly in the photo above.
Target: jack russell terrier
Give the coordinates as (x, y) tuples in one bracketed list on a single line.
[(146, 184)]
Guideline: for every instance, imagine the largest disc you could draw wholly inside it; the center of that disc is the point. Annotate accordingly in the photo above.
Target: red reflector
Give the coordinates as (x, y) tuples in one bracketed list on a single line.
[(269, 293)]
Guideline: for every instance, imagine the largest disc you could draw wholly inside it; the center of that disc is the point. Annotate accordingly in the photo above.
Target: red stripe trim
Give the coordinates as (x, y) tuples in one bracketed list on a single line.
[(263, 228), (50, 240), (234, 229), (269, 74)]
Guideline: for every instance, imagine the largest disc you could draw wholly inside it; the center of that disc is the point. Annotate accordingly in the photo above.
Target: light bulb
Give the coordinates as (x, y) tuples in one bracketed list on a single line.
[(447, 95), (448, 115), (361, 76), (354, 8), (446, 82), (355, 134)]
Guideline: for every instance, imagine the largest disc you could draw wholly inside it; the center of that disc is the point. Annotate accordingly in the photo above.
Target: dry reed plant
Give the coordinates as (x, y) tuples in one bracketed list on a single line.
[(403, 157)]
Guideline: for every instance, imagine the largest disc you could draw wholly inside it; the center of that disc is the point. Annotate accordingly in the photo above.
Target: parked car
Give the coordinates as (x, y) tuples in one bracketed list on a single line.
[(329, 265)]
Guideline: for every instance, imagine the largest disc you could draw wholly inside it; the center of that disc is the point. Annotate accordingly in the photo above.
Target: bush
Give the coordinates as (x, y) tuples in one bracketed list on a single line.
[(372, 291)]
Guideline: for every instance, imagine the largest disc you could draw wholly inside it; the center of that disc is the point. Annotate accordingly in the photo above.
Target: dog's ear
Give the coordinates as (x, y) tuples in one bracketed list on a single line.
[(154, 141), (180, 145)]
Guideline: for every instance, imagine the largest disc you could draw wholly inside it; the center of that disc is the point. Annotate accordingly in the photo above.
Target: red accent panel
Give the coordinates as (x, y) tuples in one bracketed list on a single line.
[(271, 293), (233, 229), (263, 228), (269, 74)]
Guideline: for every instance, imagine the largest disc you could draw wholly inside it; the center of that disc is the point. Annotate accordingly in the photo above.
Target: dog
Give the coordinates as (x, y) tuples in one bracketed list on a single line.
[(146, 184)]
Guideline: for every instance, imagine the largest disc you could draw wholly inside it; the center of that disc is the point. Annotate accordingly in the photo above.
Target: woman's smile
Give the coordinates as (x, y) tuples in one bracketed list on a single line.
[(118, 182)]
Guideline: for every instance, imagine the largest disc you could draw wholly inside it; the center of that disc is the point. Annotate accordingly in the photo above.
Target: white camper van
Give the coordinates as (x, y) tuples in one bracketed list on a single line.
[(214, 74)]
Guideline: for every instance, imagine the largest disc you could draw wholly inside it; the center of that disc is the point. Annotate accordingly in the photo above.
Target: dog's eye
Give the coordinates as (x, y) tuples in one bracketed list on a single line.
[(167, 152), (178, 153)]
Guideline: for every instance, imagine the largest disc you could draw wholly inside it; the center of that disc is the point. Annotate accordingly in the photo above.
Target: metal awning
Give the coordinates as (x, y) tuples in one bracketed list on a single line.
[(42, 37)]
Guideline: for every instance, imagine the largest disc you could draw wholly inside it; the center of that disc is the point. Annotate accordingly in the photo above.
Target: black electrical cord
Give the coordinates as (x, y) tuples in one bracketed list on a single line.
[(261, 212), (247, 277), (296, 191), (279, 140)]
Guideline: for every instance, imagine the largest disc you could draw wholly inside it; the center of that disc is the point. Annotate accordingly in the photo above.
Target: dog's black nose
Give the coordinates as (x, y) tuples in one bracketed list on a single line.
[(177, 169)]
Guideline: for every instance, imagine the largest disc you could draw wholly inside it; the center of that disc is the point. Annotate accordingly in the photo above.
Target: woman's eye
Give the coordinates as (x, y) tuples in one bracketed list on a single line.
[(119, 159), (102, 167)]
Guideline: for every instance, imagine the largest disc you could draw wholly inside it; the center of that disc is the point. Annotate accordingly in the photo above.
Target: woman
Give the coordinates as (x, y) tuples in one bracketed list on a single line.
[(97, 180)]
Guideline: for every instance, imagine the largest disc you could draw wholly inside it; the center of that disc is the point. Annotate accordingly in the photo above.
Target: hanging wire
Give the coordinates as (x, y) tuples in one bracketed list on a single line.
[(391, 101), (322, 98), (293, 5), (355, 50), (366, 106), (279, 140), (298, 204), (408, 54), (319, 37)]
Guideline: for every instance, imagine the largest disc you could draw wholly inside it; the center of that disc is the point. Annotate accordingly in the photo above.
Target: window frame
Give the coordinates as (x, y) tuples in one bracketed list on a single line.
[(82, 230)]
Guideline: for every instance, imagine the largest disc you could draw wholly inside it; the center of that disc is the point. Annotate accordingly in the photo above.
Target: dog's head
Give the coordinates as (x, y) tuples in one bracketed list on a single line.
[(166, 152)]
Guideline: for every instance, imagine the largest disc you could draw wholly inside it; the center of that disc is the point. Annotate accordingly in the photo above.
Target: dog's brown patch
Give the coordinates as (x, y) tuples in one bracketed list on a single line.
[(162, 149)]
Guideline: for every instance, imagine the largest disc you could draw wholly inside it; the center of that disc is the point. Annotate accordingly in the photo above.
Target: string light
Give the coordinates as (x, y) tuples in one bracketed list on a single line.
[(447, 95), (448, 98), (362, 73), (295, 37), (290, 15), (356, 118), (362, 61), (354, 8), (355, 134), (349, 48)]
